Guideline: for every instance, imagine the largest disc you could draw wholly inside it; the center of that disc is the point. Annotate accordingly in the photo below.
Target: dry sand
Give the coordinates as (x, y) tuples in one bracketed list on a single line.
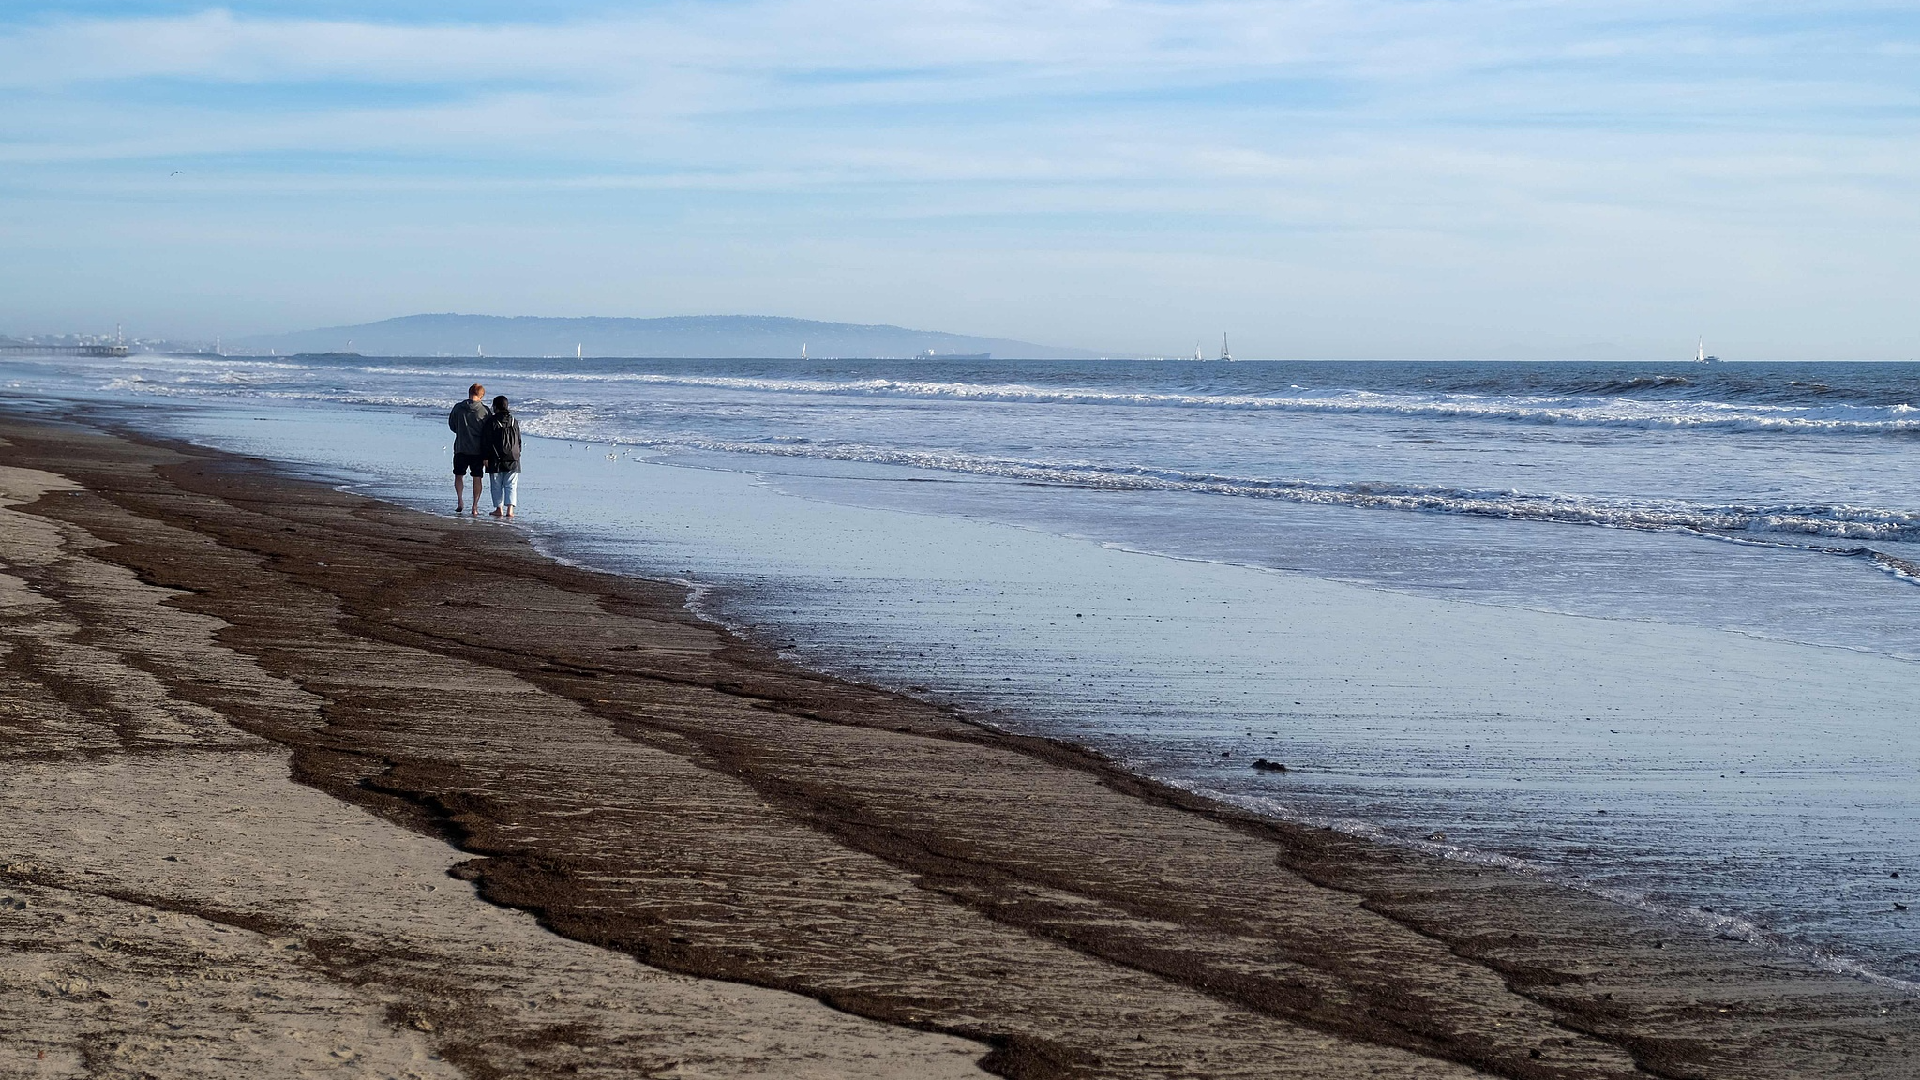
[(301, 783)]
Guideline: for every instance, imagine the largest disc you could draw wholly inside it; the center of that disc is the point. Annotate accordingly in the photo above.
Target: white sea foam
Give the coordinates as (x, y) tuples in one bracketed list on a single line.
[(239, 387), (1793, 524), (1774, 523), (1904, 569), (1605, 411)]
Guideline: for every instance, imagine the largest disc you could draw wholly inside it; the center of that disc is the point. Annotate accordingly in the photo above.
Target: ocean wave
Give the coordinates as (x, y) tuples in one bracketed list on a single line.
[(1751, 523), (1837, 521), (1598, 408), (244, 390), (1640, 383), (1904, 569), (1605, 400)]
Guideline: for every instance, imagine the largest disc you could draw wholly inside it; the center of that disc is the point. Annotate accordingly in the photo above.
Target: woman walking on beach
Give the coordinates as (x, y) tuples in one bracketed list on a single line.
[(503, 458)]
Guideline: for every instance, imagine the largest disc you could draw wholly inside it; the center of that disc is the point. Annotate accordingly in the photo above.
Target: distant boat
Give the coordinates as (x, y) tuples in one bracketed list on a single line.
[(1197, 354), (803, 350), (1701, 357), (1225, 353), (576, 352)]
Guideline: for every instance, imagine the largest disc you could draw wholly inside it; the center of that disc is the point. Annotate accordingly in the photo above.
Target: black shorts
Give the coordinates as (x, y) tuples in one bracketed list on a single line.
[(463, 462)]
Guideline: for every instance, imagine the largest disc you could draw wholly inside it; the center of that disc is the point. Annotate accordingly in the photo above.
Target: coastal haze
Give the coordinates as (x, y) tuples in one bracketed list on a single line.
[(690, 336)]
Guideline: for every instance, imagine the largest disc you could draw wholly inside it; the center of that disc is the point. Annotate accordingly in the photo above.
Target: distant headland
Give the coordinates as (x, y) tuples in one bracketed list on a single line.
[(678, 336)]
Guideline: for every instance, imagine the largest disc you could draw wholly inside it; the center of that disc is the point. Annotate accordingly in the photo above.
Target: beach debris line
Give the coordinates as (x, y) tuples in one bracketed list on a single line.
[(1263, 765)]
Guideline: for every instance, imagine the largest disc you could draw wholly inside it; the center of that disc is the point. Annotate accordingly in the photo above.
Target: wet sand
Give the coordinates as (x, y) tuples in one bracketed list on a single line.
[(299, 781)]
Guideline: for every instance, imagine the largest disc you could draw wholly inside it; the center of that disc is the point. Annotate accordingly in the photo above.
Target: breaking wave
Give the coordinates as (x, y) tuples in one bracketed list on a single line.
[(1600, 407), (1755, 523)]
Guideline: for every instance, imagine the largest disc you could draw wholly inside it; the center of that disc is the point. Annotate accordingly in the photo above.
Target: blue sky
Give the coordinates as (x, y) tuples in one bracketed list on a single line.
[(1326, 178)]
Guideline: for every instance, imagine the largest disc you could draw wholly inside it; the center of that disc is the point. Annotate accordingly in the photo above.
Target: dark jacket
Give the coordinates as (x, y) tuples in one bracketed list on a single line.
[(468, 422), (502, 437)]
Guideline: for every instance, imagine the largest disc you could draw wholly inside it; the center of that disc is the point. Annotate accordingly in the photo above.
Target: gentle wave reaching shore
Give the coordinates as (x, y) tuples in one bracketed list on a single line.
[(1839, 521)]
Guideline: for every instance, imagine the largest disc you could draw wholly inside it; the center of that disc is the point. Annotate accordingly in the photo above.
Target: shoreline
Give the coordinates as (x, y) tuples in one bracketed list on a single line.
[(1693, 919), (955, 585), (948, 905), (1689, 919), (718, 603)]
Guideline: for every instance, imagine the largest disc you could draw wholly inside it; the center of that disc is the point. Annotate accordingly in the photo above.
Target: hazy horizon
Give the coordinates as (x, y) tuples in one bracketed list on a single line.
[(376, 340), (1346, 180)]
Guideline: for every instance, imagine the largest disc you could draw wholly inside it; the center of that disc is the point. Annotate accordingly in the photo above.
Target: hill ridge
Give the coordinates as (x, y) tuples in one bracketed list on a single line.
[(695, 336)]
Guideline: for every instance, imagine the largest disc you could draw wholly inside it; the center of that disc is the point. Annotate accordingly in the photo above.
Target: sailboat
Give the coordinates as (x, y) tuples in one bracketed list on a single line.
[(1225, 353), (576, 352), (803, 350), (1701, 357), (1197, 355)]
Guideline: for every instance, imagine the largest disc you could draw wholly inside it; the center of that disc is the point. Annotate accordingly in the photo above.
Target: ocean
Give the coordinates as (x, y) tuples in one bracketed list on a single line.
[(1646, 629)]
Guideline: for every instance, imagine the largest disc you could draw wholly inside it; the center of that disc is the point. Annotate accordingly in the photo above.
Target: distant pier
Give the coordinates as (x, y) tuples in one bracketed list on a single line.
[(66, 350)]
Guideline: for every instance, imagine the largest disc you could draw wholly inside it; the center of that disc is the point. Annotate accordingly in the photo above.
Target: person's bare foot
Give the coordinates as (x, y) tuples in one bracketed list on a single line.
[(509, 513), (496, 512), (460, 509)]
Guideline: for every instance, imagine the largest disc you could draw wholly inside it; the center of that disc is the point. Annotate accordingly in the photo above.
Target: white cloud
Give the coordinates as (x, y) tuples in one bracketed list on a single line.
[(691, 82), (1500, 135), (1138, 42)]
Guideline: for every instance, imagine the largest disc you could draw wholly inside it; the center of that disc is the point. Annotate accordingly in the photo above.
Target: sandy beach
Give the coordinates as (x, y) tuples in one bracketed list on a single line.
[(303, 782)]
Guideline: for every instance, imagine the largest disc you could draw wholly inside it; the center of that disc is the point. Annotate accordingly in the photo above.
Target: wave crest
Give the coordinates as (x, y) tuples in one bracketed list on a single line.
[(1839, 521), (1597, 408)]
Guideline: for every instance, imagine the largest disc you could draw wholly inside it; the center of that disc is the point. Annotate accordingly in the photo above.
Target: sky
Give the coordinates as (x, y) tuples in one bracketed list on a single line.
[(1329, 178)]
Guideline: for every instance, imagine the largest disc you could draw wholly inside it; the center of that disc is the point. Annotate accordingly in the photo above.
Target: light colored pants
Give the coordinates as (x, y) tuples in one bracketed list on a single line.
[(505, 487)]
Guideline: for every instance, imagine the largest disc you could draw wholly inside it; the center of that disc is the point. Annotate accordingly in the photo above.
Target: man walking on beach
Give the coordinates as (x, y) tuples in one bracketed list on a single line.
[(468, 422)]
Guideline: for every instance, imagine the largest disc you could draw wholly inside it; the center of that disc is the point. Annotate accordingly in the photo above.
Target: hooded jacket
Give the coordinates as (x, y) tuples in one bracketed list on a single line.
[(503, 443), (468, 422)]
